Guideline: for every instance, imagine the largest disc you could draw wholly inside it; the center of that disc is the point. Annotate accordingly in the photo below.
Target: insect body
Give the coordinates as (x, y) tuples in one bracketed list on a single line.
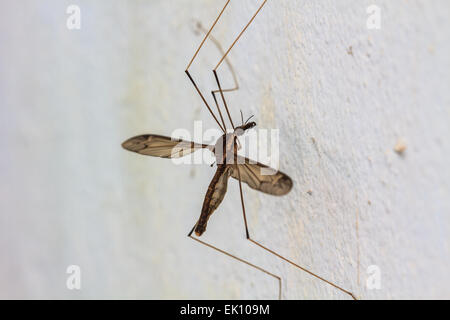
[(227, 159)]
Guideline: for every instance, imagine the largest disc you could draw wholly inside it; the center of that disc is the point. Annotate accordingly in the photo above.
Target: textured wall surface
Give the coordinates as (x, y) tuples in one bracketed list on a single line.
[(342, 96)]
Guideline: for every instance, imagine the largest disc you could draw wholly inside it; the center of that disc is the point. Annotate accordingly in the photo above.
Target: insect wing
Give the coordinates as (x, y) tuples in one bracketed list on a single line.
[(161, 146), (262, 178)]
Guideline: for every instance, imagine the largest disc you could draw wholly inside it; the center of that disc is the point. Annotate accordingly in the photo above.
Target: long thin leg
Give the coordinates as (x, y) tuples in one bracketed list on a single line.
[(240, 34), (207, 35), (225, 55), (204, 100), (217, 104), (273, 252), (223, 99), (230, 67), (238, 259), (220, 62), (218, 109), (222, 51), (192, 60)]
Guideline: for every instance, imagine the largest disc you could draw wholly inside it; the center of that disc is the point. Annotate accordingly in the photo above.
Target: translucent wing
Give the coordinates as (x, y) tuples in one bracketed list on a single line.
[(214, 196), (161, 146), (261, 177)]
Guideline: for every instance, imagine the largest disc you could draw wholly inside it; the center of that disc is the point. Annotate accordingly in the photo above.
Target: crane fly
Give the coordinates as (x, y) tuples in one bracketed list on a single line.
[(225, 151), (229, 163)]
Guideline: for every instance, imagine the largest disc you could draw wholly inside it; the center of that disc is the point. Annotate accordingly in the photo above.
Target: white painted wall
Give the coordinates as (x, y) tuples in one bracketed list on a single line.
[(71, 195)]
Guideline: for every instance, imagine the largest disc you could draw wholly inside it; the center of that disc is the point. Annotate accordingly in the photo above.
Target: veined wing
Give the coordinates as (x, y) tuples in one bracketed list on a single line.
[(261, 177), (161, 146)]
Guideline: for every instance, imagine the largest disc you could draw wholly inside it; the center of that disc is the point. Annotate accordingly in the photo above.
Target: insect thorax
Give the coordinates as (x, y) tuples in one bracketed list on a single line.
[(224, 149)]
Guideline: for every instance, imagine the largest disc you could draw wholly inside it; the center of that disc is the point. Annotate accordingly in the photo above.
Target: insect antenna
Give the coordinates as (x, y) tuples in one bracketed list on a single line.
[(249, 118)]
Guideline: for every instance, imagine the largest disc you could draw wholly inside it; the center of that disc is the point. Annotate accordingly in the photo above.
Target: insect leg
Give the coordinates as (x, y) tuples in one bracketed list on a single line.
[(207, 34), (225, 55), (204, 101), (230, 67), (218, 109), (238, 259), (240, 34), (192, 60), (275, 253), (223, 98)]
